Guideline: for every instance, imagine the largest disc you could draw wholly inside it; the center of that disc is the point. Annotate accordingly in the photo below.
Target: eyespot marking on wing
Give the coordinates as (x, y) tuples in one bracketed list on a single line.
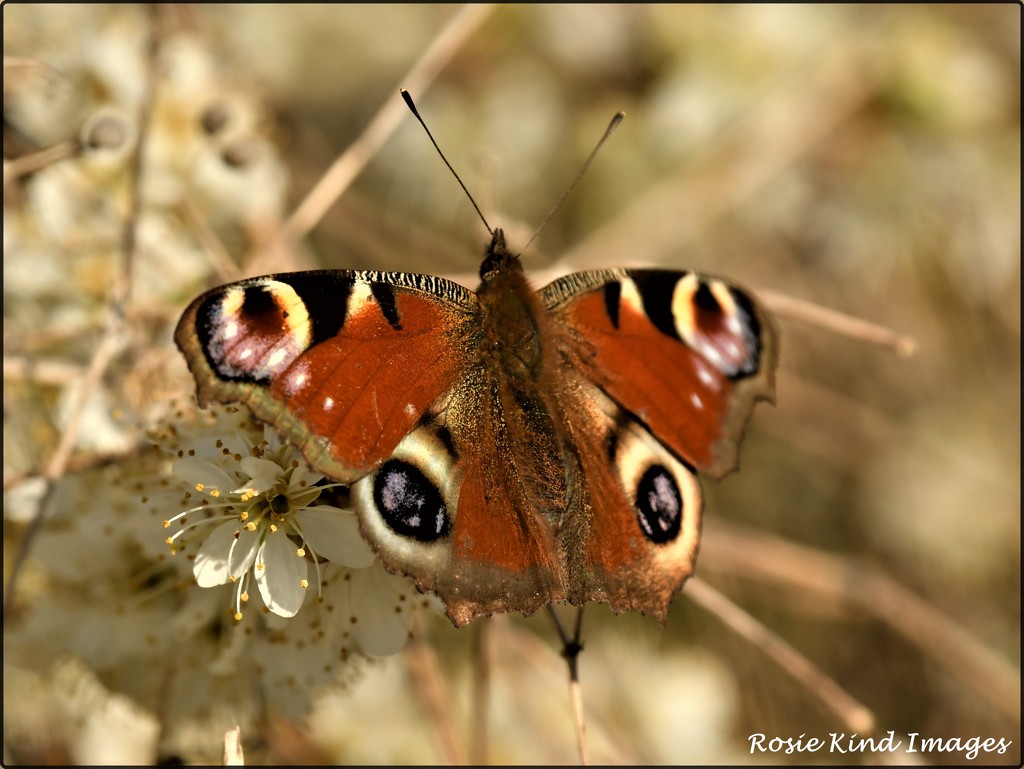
[(251, 332)]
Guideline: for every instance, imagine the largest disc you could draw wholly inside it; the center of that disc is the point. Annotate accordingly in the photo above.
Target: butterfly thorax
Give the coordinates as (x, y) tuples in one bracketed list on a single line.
[(511, 316), (518, 350)]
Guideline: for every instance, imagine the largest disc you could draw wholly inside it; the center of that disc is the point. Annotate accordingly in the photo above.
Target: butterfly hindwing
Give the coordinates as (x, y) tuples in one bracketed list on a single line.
[(446, 511), (640, 511)]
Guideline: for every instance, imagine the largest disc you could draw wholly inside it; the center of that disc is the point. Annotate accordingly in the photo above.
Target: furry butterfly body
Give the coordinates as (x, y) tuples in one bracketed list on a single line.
[(505, 448)]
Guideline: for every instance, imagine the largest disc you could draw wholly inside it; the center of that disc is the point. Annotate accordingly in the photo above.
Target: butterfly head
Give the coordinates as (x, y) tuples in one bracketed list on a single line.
[(498, 259)]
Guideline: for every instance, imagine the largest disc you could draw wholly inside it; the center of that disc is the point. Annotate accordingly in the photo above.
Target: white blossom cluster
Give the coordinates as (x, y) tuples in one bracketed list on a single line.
[(137, 124)]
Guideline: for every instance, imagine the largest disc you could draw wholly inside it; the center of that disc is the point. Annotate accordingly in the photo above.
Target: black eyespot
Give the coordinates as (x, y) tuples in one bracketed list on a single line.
[(659, 505), (259, 301), (409, 502)]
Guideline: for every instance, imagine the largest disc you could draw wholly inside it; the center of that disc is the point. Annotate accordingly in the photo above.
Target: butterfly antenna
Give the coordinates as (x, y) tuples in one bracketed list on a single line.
[(590, 159), (412, 107)]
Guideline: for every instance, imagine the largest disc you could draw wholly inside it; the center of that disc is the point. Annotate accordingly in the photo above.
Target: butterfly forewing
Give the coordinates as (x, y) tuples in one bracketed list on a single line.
[(342, 363), (686, 355)]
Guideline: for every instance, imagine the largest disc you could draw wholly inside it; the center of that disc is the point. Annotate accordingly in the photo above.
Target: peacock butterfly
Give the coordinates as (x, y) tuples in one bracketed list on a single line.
[(506, 448)]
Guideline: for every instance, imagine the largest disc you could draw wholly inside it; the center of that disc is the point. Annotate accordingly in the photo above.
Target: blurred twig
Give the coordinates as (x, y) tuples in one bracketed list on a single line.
[(51, 372), (212, 247), (75, 464), (57, 465), (518, 649), (29, 164), (478, 745), (839, 323), (730, 548), (850, 712), (28, 339), (571, 648), (422, 664), (341, 173)]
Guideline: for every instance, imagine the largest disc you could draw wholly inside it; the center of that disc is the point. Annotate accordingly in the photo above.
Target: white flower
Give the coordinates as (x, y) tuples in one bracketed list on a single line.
[(373, 607), (261, 522)]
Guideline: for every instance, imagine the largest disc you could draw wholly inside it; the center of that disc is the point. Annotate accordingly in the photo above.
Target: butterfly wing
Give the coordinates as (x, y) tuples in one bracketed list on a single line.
[(666, 367), (447, 511), (686, 355), (343, 363)]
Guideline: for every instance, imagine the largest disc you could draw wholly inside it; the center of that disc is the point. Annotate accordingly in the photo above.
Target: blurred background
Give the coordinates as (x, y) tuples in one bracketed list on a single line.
[(863, 160)]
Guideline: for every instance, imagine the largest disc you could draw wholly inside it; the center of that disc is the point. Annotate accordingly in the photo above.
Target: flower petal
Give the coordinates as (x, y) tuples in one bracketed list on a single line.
[(200, 474), (211, 566), (383, 604), (199, 609), (243, 552), (334, 533), (263, 472), (272, 438), (281, 575), (303, 478)]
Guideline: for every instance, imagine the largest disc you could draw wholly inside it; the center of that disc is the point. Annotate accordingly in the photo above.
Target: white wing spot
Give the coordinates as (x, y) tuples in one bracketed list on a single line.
[(295, 378), (696, 401), (275, 360), (246, 353), (410, 410), (231, 330), (713, 355), (704, 374), (328, 403)]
